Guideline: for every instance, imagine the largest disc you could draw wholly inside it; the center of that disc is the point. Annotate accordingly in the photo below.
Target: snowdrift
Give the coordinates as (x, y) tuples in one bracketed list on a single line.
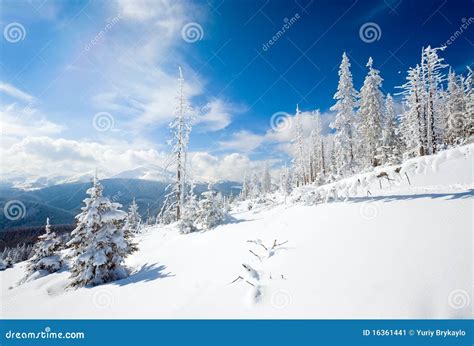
[(403, 250)]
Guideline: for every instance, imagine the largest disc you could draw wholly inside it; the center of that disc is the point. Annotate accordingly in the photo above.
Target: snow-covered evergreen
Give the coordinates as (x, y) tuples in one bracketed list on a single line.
[(190, 212), (344, 124), (99, 244), (457, 116), (209, 214), (256, 187), (133, 221), (246, 188), (316, 155), (181, 128), (266, 180), (432, 78), (389, 151), (45, 253), (370, 114), (299, 151), (413, 120), (286, 185)]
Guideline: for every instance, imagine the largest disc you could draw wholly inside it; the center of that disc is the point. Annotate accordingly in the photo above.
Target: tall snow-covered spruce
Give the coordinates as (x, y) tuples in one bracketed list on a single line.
[(99, 244), (370, 114), (45, 253), (389, 151), (413, 119), (266, 180), (299, 150), (432, 76), (181, 128), (344, 124)]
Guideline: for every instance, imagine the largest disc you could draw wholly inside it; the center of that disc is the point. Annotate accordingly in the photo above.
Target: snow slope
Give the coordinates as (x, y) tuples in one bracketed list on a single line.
[(403, 252)]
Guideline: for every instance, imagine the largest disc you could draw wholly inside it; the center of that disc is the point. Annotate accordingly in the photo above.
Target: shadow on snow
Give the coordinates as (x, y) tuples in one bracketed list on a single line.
[(148, 272), (390, 198)]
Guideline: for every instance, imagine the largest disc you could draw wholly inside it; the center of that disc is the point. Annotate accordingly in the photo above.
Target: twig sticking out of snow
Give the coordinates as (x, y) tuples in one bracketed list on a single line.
[(253, 253), (275, 244), (257, 242), (407, 178), (237, 279)]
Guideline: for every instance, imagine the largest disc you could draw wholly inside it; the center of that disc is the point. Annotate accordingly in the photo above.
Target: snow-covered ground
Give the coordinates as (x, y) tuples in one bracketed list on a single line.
[(406, 251)]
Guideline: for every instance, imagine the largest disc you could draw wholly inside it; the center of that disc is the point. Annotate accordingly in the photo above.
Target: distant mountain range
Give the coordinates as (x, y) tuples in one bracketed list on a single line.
[(24, 181), (62, 202)]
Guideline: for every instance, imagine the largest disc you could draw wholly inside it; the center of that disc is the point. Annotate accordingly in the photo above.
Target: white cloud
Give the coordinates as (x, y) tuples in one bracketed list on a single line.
[(17, 122), (40, 156), (14, 92), (243, 141), (206, 167), (282, 135), (217, 115), (150, 10)]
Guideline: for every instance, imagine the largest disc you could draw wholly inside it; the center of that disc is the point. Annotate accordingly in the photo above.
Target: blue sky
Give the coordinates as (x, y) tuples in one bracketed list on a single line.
[(76, 59)]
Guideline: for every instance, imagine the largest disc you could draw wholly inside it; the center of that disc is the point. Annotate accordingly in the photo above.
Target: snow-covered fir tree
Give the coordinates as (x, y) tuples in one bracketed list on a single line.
[(286, 185), (266, 180), (299, 151), (389, 151), (181, 128), (256, 187), (370, 114), (432, 77), (316, 155), (99, 244), (344, 123), (45, 253), (246, 190), (469, 100), (412, 120), (5, 263), (133, 220), (190, 213), (457, 116), (210, 213)]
